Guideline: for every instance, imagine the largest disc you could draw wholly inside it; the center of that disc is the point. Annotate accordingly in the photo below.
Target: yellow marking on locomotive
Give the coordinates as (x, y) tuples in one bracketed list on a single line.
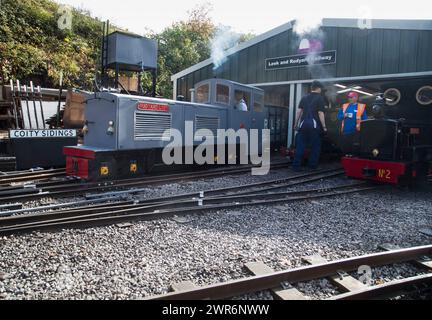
[(133, 168), (104, 171), (384, 174)]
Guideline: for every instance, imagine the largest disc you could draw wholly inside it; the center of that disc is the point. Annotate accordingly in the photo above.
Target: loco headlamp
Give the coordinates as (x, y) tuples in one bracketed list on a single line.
[(110, 130)]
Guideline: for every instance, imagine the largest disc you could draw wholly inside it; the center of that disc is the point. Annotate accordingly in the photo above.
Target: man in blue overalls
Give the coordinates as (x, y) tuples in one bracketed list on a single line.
[(351, 115), (310, 123)]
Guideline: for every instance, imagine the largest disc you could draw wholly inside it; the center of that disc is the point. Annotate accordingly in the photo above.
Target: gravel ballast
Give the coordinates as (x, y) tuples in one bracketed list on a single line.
[(146, 258)]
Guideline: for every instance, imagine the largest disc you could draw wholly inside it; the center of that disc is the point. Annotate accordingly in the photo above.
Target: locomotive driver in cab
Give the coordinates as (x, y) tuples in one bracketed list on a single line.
[(351, 115)]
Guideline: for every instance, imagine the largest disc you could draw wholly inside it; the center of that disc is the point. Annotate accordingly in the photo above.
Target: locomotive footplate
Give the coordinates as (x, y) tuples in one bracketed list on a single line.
[(98, 164)]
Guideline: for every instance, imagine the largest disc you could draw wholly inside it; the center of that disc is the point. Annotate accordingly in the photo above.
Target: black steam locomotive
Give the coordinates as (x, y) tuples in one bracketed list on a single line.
[(396, 145)]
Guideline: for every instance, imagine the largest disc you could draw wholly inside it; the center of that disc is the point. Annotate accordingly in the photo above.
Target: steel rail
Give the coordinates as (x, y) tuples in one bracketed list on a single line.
[(65, 184), (151, 212), (306, 273), (17, 211), (155, 203), (40, 183), (179, 175), (30, 174), (78, 189), (238, 190), (313, 176), (384, 289), (22, 176), (50, 186)]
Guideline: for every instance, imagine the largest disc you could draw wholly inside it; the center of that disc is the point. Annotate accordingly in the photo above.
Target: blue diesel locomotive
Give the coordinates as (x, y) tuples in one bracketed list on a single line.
[(125, 134)]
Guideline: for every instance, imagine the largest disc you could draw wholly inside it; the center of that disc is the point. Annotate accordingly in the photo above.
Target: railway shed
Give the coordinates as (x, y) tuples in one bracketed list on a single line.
[(346, 54)]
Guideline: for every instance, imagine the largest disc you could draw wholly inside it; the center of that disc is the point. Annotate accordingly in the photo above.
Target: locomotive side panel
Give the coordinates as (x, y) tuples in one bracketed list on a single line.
[(99, 112), (206, 117), (146, 124)]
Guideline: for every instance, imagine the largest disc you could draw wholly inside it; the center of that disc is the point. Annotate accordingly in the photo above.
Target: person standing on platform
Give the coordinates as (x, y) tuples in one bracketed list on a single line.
[(351, 115), (310, 123)]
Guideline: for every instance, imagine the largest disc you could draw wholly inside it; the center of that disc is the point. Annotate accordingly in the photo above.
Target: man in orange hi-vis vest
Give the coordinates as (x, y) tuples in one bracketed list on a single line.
[(351, 115)]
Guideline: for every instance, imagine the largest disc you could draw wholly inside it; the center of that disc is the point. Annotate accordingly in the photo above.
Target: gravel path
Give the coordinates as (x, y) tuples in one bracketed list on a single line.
[(146, 258)]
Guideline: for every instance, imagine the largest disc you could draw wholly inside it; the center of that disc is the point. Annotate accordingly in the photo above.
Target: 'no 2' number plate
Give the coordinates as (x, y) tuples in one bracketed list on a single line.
[(384, 174)]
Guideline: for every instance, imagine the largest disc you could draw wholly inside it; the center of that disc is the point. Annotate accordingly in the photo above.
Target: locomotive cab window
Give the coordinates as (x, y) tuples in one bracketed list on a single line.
[(258, 103), (203, 94), (392, 96), (424, 95), (222, 94), (242, 100)]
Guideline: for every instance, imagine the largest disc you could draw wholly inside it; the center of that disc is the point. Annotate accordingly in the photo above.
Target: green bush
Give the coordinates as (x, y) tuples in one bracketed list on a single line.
[(32, 45)]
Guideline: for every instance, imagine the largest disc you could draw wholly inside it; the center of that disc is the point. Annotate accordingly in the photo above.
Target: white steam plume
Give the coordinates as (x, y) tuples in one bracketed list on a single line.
[(223, 40), (303, 26), (311, 39)]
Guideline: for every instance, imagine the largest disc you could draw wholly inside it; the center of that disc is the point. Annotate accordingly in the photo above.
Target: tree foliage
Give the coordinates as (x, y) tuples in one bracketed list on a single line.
[(182, 45), (32, 46)]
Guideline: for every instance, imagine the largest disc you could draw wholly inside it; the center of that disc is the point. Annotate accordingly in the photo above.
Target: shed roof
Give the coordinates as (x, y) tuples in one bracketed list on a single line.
[(328, 22)]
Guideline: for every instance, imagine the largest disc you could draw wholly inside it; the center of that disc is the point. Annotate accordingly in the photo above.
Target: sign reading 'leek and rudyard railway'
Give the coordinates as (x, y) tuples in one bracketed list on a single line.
[(301, 60)]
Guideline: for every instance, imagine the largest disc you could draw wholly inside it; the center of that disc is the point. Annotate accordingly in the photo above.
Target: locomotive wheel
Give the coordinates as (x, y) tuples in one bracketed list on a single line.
[(150, 161)]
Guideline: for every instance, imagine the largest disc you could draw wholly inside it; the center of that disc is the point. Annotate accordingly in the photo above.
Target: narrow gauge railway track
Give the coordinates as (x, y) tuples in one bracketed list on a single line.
[(226, 198), (44, 178), (14, 174), (8, 179), (73, 187), (272, 280), (43, 183), (105, 200)]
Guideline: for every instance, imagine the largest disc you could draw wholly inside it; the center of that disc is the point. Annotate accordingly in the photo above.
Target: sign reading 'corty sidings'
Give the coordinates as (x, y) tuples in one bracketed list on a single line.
[(301, 60)]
